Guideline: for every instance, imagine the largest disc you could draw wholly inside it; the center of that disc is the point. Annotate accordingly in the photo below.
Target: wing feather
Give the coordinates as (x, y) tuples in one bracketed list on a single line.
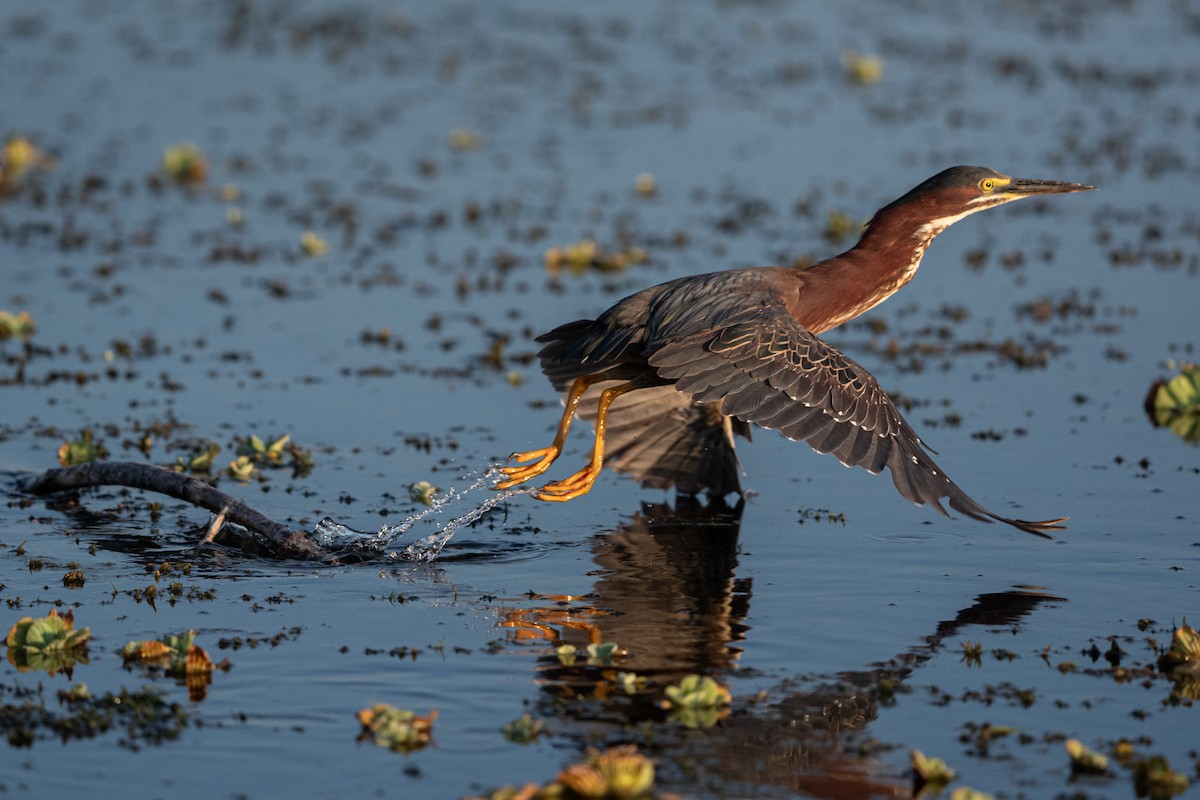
[(767, 369)]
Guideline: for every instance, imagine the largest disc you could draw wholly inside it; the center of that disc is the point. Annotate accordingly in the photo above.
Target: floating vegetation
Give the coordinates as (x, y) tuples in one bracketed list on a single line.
[(1182, 662), (254, 452), (313, 245), (1084, 759), (861, 68), (697, 701), (198, 462), (839, 225), (143, 717), (646, 185), (967, 793), (1175, 404), (397, 728), (179, 657), (82, 450), (50, 644), (619, 773), (930, 775), (18, 158), (1154, 778), (422, 492), (586, 254), (462, 139), (630, 682), (523, 730), (185, 164), (16, 326), (565, 654), (602, 654)]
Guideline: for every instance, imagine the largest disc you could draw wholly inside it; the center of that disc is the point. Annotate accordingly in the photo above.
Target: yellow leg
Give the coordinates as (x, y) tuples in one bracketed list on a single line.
[(546, 455), (581, 482)]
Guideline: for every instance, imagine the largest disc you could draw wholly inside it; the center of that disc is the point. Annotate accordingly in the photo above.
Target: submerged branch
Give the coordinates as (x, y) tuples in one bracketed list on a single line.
[(290, 542)]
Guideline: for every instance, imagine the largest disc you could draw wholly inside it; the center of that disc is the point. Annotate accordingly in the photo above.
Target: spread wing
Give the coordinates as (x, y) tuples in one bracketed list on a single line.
[(772, 372)]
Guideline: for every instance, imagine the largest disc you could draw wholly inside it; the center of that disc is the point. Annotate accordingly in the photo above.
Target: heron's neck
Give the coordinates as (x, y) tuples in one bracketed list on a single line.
[(884, 259)]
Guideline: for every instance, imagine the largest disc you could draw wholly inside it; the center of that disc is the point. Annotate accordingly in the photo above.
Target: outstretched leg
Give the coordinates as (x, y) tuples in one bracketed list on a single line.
[(546, 455), (581, 482)]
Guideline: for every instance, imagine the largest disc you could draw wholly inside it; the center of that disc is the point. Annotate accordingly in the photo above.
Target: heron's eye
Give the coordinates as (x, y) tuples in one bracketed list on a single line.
[(987, 184)]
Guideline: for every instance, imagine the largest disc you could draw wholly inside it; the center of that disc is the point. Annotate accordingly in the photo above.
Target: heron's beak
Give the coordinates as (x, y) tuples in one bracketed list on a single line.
[(1023, 187)]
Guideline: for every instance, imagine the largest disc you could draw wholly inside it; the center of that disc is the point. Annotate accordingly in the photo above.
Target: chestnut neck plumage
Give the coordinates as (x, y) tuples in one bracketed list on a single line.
[(884, 259)]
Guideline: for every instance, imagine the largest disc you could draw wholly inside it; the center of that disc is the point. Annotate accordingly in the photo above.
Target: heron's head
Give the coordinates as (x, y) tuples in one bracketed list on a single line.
[(961, 191)]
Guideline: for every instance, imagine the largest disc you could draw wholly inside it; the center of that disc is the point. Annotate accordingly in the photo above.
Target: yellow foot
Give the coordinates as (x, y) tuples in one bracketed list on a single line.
[(569, 488), (545, 457)]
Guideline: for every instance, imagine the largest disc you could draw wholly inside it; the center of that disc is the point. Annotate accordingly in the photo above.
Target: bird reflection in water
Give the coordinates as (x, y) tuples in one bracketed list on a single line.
[(667, 593)]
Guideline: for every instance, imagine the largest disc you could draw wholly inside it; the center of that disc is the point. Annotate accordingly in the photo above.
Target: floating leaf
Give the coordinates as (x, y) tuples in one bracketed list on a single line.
[(462, 139), (1084, 758), (930, 775), (12, 325), (586, 254), (967, 793), (839, 225), (397, 728), (603, 653), (313, 245), (178, 654), (1153, 777), (50, 643), (1175, 404), (620, 773), (422, 492), (242, 468), (1182, 661), (81, 451), (861, 68), (201, 462), (630, 682), (185, 164), (523, 729), (646, 185), (565, 654), (697, 701)]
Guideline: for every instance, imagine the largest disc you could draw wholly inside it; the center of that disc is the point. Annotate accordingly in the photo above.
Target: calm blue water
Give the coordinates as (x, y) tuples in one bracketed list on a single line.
[(340, 120)]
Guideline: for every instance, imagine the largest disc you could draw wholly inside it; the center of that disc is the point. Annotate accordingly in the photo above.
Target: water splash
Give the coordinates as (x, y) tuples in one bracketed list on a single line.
[(342, 539)]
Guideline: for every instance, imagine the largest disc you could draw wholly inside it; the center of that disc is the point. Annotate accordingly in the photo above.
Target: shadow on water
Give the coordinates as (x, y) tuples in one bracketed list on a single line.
[(669, 595)]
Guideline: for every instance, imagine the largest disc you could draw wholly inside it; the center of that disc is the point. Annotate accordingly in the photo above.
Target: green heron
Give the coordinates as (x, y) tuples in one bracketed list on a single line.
[(683, 366)]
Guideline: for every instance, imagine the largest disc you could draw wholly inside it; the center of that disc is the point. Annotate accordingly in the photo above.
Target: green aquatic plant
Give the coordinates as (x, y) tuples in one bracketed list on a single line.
[(861, 68), (1084, 759), (522, 730), (697, 701), (565, 653), (422, 492), (1175, 403), (263, 452), (1154, 778), (618, 773), (313, 245), (51, 644), (1182, 661), (18, 325), (930, 775), (602, 654), (397, 728), (199, 462), (82, 450), (967, 793), (242, 468), (630, 682), (185, 164)]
